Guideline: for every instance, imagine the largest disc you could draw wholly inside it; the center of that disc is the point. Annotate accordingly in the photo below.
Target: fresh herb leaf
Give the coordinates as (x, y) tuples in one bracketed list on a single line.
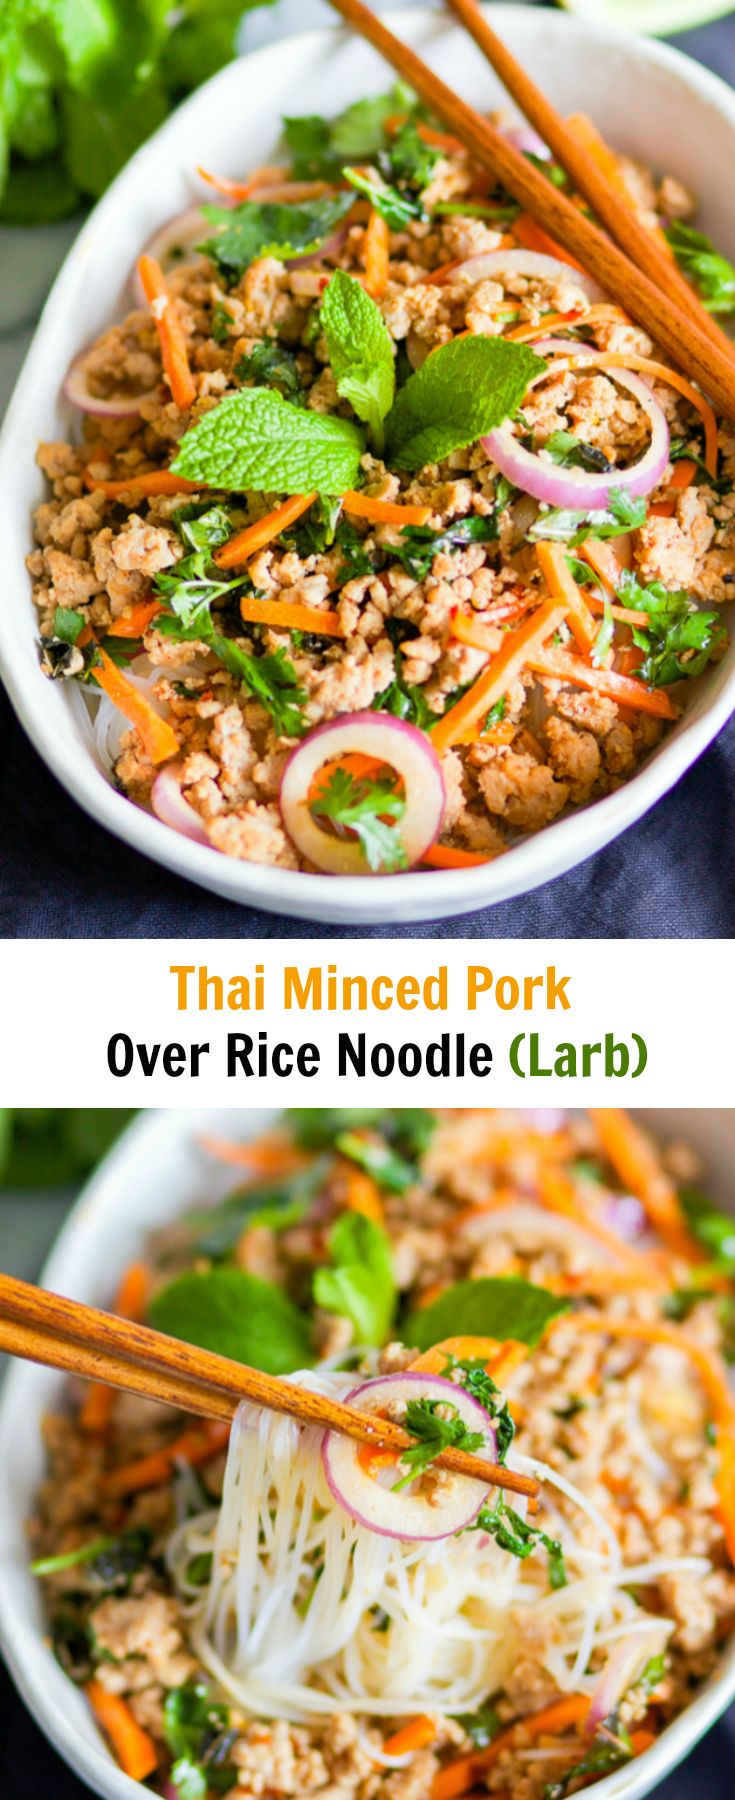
[(199, 1569), (270, 364), (409, 161), (433, 1435), (360, 1286), (270, 678), (711, 1228), (418, 544), (67, 624), (355, 559), (461, 392), (475, 1378), (410, 1128), (499, 1306), (367, 808), (380, 1160), (319, 146), (513, 1534), (270, 228), (678, 640), (360, 351), (72, 1644), (275, 1203), (713, 275), (563, 525), (395, 207), (496, 714), (197, 1733), (608, 1754), (569, 451), (110, 1562), (482, 1727), (652, 1674), (256, 440), (203, 527), (237, 1315)]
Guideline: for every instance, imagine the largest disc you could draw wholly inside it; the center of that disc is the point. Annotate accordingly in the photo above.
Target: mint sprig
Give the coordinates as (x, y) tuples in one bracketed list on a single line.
[(463, 390), (360, 351), (256, 440)]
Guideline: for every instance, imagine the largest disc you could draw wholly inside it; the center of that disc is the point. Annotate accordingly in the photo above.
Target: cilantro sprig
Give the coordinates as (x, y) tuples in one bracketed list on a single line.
[(270, 228), (371, 809), (712, 274), (678, 640), (434, 1433)]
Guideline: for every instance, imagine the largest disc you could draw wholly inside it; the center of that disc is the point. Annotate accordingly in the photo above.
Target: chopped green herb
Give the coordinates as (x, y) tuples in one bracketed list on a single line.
[(410, 1128), (569, 451), (368, 808), (433, 1435), (562, 525), (678, 640), (380, 1160), (197, 1733), (409, 161), (270, 228), (67, 624), (513, 1534), (482, 1727), (712, 274), (475, 1378), (607, 1754), (395, 206), (418, 544), (270, 364), (604, 639), (111, 1562), (712, 1228), (277, 1204), (319, 147)]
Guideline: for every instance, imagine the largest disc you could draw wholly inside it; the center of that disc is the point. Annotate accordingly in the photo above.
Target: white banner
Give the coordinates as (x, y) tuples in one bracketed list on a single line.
[(314, 1023)]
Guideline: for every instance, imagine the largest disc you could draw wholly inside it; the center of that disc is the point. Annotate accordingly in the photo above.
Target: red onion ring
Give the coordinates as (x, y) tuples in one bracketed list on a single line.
[(533, 263), (626, 1216), (120, 406), (172, 809), (409, 1517), (626, 1662), (391, 741), (181, 232), (581, 489), (331, 247)]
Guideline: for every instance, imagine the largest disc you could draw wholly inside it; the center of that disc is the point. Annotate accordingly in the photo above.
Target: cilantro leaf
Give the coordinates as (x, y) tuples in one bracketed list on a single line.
[(678, 640), (271, 678), (482, 1727), (410, 1128), (570, 453), (360, 1286), (216, 1229), (607, 1754), (433, 1434), (461, 392), (475, 1379), (367, 808), (418, 544), (563, 525), (270, 364), (197, 1733), (513, 1534), (396, 207), (410, 161), (67, 624), (713, 275), (111, 1562), (320, 146), (257, 440), (236, 1314), (501, 1306), (270, 228), (360, 351)]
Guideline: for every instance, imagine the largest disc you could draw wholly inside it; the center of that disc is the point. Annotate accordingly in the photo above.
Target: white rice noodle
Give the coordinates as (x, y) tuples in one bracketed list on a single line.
[(102, 724), (308, 1612)]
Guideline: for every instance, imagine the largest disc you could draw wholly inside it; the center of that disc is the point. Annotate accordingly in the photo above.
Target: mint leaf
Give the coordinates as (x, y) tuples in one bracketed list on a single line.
[(462, 391), (386, 1165), (360, 1286), (255, 440), (499, 1306), (366, 807), (270, 228), (360, 351), (236, 1315), (713, 275)]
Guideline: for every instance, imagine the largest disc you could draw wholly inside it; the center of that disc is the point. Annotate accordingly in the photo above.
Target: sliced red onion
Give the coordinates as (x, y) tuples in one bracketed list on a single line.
[(178, 235), (118, 406), (582, 490), (532, 263), (172, 809), (626, 1216), (370, 1499), (390, 741), (331, 247), (624, 1666), (525, 139)]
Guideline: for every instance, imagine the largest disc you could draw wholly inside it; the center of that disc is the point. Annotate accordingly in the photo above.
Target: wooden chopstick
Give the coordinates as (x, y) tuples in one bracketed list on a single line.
[(61, 1333), (698, 355), (634, 238)]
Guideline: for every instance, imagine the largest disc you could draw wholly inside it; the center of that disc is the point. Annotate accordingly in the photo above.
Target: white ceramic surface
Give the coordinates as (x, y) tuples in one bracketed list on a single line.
[(646, 98), (153, 1173)]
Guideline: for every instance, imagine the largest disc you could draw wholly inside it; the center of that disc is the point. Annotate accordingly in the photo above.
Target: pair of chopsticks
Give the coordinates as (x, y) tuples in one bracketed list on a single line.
[(63, 1334), (639, 276)]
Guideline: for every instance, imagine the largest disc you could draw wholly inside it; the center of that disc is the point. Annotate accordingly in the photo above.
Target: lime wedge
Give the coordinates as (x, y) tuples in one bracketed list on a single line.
[(657, 17)]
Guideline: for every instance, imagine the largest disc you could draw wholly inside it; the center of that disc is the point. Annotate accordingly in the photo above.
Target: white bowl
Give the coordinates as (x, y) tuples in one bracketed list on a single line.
[(646, 99), (152, 1174)]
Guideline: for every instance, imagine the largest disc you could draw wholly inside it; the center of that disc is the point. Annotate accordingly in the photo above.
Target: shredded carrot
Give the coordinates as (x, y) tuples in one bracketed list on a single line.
[(562, 586), (255, 537), (642, 1740), (130, 1303), (372, 1458), (265, 1156), (626, 615), (639, 1170), (377, 255), (362, 1195), (290, 615), (465, 1348), (502, 668), (241, 190), (510, 1354), (603, 1283), (558, 1194), (682, 477), (133, 1747), (154, 481), (86, 636), (533, 237), (458, 1777), (714, 1378), (415, 1735), (432, 1293), (384, 512), (195, 1445), (624, 689), (618, 359), (355, 763), (524, 334), (443, 856), (442, 274), (607, 559), (136, 622), (171, 337), (156, 735)]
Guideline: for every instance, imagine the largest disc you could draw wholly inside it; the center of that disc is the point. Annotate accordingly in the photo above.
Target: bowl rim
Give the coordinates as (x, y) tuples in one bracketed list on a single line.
[(27, 1654), (356, 900)]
